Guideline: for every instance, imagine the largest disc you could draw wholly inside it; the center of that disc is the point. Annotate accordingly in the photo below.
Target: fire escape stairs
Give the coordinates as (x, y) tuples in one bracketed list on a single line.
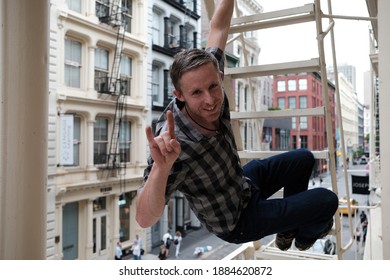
[(241, 24), (113, 162)]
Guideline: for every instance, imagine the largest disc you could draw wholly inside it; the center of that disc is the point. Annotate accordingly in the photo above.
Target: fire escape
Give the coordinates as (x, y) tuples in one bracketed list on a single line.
[(114, 16), (239, 25)]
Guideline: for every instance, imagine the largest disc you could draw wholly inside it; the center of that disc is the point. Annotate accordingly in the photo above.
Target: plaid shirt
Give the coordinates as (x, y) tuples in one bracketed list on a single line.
[(208, 171)]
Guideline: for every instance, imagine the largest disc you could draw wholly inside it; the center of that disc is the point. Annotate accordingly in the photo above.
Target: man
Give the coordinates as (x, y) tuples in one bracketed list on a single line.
[(118, 251), (139, 241), (194, 151)]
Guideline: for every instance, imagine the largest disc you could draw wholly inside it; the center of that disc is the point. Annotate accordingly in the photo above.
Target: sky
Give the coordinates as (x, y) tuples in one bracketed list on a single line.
[(298, 42)]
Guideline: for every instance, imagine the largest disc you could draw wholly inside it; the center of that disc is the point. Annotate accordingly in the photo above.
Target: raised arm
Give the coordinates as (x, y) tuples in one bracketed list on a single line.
[(164, 150), (220, 24)]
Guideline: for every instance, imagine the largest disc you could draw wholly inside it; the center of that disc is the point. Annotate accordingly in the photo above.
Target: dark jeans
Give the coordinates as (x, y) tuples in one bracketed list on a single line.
[(306, 212)]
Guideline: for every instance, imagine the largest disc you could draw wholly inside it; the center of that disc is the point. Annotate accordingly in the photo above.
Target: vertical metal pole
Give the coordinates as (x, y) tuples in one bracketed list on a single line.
[(328, 116)]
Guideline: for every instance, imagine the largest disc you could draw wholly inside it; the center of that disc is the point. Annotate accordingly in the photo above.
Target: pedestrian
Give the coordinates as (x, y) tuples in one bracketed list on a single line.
[(364, 224), (136, 250), (194, 151), (167, 240), (162, 255), (329, 247), (139, 240), (364, 229), (118, 251), (357, 237), (177, 241), (363, 217)]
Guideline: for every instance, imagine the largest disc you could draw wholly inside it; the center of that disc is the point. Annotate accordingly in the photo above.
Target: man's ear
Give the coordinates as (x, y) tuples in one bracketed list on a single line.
[(178, 95), (222, 75)]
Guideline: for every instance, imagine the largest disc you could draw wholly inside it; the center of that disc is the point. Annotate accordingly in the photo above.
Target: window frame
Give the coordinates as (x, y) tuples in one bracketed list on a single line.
[(98, 156), (302, 84), (101, 72), (157, 22), (292, 85), (127, 13), (125, 138), (301, 99), (126, 75), (157, 85), (281, 86), (72, 62), (303, 123), (279, 103), (73, 5)]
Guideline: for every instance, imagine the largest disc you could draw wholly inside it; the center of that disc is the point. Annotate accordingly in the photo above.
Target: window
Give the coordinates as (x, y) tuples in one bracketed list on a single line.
[(74, 5), (302, 84), (127, 7), (102, 8), (249, 34), (125, 141), (76, 141), (171, 87), (292, 85), (304, 143), (189, 5), (246, 98), (188, 40), (126, 75), (302, 102), (238, 97), (292, 103), (156, 32), (72, 63), (246, 136), (173, 32), (100, 141), (281, 86), (99, 204), (282, 103), (101, 70), (157, 82), (294, 123), (294, 142), (124, 216), (303, 122), (284, 139)]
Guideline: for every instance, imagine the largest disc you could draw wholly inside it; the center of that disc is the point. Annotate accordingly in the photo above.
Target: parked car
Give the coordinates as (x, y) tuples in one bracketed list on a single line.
[(363, 160), (343, 207)]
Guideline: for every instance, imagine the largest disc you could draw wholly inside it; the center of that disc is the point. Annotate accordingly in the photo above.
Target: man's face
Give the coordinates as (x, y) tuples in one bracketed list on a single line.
[(201, 90)]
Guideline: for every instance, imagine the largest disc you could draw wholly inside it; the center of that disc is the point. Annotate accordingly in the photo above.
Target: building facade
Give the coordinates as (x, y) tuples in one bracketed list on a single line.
[(97, 113), (172, 26), (302, 91)]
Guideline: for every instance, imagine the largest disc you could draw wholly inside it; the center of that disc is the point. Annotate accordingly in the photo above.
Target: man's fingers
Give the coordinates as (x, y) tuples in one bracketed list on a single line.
[(149, 134), (171, 125), (175, 146)]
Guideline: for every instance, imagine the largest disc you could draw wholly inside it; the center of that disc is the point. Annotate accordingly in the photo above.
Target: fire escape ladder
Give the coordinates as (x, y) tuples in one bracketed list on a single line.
[(308, 13), (117, 20), (113, 160)]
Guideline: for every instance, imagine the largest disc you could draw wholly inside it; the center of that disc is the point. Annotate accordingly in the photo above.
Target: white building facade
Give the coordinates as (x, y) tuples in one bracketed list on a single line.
[(91, 196), (172, 26)]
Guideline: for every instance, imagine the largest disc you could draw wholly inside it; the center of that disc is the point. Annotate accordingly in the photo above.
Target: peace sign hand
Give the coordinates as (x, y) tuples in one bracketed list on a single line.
[(164, 148)]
